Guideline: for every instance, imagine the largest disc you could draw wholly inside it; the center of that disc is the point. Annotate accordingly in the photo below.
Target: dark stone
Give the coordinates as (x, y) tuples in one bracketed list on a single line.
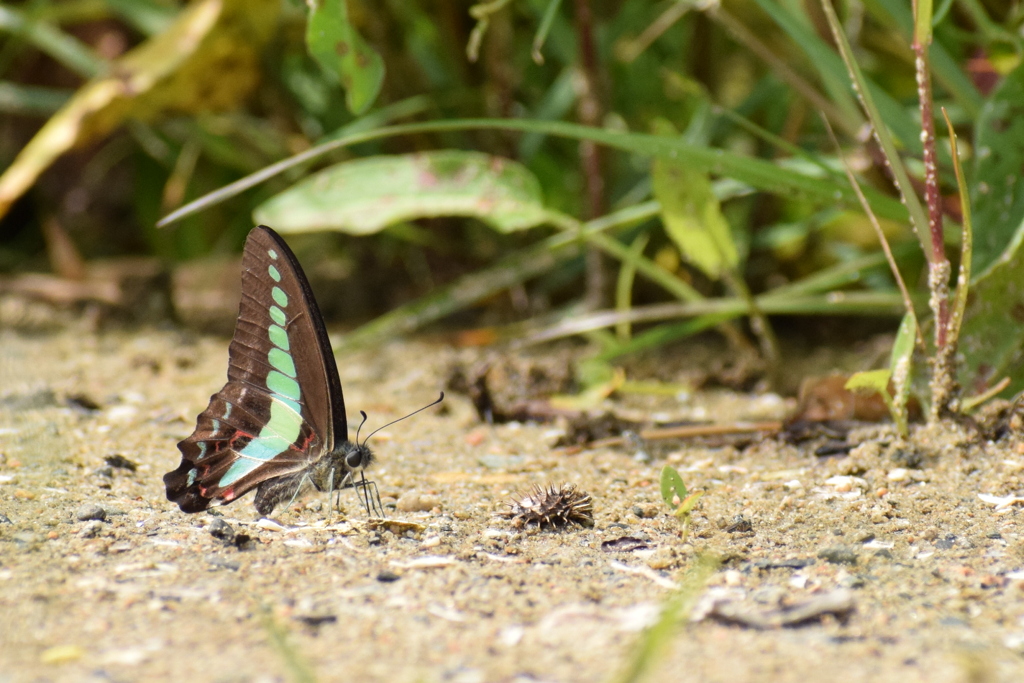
[(388, 576), (911, 458), (839, 554), (83, 403), (789, 563), (120, 462), (90, 512), (315, 620), (220, 529), (740, 525)]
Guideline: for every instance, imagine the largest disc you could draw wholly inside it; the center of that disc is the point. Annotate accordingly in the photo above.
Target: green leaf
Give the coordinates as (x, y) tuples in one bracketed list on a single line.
[(873, 380), (901, 369), (693, 217), (365, 196), (992, 337), (337, 46), (998, 194), (690, 502), (673, 490)]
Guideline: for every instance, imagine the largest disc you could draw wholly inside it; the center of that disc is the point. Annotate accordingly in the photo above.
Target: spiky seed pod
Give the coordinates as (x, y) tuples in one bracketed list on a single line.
[(553, 507)]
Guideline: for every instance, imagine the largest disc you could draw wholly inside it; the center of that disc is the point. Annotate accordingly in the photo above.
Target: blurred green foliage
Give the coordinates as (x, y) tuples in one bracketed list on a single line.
[(745, 82)]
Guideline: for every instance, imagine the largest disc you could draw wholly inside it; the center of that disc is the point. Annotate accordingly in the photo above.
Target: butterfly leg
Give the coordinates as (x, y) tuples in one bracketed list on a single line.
[(330, 496), (298, 489), (370, 496)]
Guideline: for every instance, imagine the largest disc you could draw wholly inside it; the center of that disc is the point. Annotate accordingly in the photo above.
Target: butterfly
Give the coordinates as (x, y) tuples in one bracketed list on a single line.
[(279, 422)]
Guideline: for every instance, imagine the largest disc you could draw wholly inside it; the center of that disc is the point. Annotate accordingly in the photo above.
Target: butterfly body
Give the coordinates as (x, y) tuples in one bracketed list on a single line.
[(330, 472), (279, 422)]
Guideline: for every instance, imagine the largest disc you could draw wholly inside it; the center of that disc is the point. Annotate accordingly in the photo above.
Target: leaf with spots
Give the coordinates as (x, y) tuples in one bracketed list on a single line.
[(673, 490), (365, 196), (335, 43)]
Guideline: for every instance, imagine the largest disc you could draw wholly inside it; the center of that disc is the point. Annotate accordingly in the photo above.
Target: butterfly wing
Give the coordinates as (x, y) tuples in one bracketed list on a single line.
[(282, 407)]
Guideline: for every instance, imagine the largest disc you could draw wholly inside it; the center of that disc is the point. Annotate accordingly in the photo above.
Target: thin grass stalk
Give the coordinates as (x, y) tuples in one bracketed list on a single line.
[(624, 286), (966, 241), (886, 249)]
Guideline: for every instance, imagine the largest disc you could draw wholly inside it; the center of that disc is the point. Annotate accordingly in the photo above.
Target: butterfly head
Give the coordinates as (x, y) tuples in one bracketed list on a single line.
[(358, 457)]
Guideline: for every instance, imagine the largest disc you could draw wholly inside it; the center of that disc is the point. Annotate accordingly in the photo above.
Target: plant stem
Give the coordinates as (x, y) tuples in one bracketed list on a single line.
[(943, 383)]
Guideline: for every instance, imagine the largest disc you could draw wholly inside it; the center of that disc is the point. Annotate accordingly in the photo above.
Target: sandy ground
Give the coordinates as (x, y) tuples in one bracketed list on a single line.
[(929, 577)]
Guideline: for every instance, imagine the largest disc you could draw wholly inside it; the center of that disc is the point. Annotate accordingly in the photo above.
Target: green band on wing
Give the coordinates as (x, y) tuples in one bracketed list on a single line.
[(281, 360), (279, 296), (278, 337), (272, 253), (275, 274), (283, 386), (278, 316), (277, 436)]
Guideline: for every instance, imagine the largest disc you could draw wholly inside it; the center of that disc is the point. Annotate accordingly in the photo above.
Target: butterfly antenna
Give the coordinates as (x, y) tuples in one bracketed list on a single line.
[(360, 426), (439, 399)]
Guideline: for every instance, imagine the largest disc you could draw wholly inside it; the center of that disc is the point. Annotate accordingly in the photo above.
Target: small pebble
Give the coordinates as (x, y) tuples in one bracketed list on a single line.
[(387, 576), (415, 501), (4, 519), (91, 530), (898, 474), (733, 578), (61, 654), (847, 580), (645, 510), (220, 529), (90, 512), (25, 538), (663, 558), (221, 563), (838, 554)]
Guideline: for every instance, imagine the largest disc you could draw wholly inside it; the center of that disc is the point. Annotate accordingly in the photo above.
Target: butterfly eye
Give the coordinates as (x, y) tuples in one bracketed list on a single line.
[(354, 459)]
